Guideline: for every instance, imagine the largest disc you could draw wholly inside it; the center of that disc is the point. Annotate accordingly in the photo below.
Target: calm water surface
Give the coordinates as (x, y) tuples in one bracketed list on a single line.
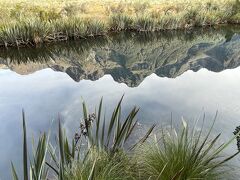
[(183, 73)]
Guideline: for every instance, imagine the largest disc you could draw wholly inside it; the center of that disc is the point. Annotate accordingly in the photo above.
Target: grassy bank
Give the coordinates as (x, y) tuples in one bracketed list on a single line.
[(25, 22), (103, 150)]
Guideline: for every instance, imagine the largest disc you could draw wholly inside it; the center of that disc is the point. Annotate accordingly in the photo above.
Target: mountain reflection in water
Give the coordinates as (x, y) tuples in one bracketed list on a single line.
[(130, 57)]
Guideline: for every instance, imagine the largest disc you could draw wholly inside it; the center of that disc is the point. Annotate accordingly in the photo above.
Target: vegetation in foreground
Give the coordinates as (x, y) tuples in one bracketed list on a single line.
[(25, 22), (103, 150)]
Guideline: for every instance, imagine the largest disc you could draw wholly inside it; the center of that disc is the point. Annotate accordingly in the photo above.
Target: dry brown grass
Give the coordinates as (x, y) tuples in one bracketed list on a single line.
[(101, 10)]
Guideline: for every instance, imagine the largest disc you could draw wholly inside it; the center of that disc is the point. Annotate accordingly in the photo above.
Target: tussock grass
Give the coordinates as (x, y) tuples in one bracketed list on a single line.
[(145, 24), (177, 156), (183, 154), (31, 32), (106, 168), (121, 22), (32, 22)]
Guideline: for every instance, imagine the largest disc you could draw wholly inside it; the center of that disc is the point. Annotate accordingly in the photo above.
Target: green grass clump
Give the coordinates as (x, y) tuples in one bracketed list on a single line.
[(24, 33), (106, 143), (95, 28), (34, 32), (121, 22), (105, 167), (101, 150), (192, 17), (145, 24), (186, 154), (69, 29), (170, 22), (37, 169), (79, 19)]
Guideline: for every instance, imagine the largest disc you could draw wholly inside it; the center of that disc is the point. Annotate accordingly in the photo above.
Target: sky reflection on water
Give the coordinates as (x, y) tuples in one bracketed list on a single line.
[(45, 94)]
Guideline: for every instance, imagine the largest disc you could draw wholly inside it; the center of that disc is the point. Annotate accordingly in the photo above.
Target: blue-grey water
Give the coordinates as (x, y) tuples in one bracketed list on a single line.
[(185, 74)]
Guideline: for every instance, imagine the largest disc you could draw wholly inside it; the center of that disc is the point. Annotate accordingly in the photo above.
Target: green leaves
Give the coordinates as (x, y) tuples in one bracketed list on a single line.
[(37, 166), (113, 137), (121, 22), (37, 169), (25, 158), (66, 157), (184, 154), (14, 173), (102, 136)]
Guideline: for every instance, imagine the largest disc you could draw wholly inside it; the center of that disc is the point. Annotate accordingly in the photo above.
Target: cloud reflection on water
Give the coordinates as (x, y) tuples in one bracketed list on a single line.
[(46, 93)]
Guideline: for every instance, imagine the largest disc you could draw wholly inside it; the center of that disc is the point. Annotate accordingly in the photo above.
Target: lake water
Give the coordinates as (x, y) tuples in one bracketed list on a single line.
[(185, 74)]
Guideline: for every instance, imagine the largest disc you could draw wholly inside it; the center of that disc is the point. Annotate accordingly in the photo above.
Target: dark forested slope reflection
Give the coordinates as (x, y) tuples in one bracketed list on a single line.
[(130, 57)]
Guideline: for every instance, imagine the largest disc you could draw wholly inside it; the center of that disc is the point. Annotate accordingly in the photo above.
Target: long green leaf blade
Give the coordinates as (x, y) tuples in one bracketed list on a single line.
[(14, 173), (25, 157)]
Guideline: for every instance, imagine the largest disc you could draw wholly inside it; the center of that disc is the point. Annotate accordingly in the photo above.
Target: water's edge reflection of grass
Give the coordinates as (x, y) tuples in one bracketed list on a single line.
[(129, 57), (101, 150), (44, 53)]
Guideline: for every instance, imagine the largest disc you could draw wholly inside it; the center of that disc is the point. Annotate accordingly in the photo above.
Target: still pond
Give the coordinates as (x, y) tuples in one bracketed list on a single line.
[(178, 74)]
